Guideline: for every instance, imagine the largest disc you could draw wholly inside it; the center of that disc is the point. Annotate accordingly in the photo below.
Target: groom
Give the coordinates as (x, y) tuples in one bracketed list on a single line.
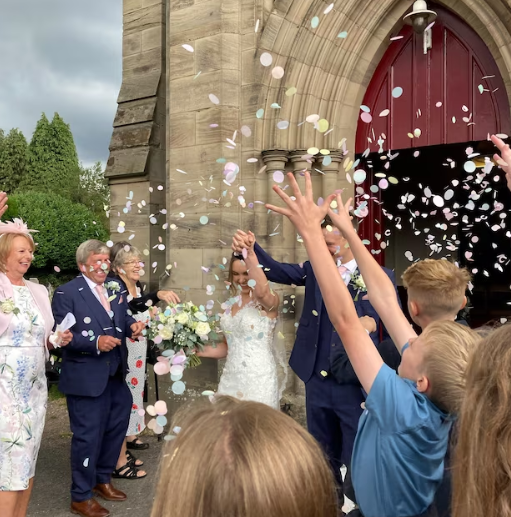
[(333, 395), (94, 367)]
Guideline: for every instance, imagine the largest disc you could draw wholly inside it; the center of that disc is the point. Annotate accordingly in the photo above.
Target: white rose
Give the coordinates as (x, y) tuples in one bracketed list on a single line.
[(7, 306), (359, 282), (202, 329), (182, 318), (166, 333)]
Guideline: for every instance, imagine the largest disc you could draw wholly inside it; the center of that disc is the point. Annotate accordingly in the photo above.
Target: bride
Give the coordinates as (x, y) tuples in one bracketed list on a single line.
[(255, 368)]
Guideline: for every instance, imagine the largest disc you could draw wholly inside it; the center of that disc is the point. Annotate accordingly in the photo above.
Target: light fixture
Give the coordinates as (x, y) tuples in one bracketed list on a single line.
[(421, 17)]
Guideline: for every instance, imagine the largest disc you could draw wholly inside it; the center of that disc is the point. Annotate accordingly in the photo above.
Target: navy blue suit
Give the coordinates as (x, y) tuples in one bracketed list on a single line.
[(98, 399), (333, 408)]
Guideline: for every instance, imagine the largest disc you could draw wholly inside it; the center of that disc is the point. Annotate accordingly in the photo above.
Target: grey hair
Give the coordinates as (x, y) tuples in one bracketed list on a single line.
[(123, 256), (89, 247)]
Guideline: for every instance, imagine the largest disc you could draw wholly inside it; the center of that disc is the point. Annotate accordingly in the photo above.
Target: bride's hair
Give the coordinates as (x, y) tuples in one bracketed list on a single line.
[(233, 290), (242, 459)]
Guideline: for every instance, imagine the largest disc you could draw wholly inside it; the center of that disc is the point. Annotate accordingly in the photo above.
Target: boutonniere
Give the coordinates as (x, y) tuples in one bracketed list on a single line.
[(8, 306), (113, 286), (358, 283)]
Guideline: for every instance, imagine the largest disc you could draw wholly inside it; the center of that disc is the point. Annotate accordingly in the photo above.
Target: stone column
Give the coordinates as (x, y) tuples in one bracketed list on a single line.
[(136, 165), (330, 178), (279, 240)]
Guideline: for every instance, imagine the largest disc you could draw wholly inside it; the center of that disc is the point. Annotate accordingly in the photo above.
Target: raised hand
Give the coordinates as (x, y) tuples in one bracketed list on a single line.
[(342, 219), (242, 240), (302, 211), (504, 159)]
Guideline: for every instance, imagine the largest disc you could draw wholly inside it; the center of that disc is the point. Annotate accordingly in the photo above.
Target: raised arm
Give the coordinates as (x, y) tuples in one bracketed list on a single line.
[(504, 160), (307, 217), (261, 290), (380, 288), (278, 272)]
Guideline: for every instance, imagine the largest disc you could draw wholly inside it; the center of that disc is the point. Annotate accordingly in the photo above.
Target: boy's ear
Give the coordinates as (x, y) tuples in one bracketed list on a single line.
[(464, 303), (413, 308), (422, 384)]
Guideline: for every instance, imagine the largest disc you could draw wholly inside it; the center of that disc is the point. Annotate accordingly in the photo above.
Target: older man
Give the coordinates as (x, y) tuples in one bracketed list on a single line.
[(94, 367)]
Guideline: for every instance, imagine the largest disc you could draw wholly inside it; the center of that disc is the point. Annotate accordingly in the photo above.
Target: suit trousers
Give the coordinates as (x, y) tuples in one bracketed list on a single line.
[(99, 426), (333, 412)]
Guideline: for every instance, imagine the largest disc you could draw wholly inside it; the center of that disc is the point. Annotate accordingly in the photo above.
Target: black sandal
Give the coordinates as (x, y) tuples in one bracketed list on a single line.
[(127, 472), (132, 460), (136, 445)]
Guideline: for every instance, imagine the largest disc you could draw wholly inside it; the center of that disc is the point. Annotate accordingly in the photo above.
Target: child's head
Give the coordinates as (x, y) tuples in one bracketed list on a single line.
[(436, 290), (235, 458), (436, 361)]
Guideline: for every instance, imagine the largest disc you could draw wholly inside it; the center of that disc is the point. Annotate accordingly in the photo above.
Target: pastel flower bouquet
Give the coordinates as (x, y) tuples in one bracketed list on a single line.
[(183, 329)]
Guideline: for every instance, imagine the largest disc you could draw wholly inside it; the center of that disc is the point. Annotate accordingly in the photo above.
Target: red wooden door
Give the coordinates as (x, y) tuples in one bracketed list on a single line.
[(452, 94)]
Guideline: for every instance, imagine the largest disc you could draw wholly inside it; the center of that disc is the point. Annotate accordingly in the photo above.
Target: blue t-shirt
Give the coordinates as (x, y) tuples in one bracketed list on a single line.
[(398, 458)]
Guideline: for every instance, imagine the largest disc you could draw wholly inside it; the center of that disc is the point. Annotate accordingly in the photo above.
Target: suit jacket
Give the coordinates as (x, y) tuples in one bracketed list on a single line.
[(85, 370), (41, 299), (303, 356)]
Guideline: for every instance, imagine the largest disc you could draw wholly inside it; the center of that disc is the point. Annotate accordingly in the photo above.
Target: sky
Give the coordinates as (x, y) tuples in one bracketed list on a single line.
[(62, 56)]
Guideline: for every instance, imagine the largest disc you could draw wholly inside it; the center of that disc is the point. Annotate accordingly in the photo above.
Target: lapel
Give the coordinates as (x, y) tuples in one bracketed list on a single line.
[(97, 310), (6, 292), (43, 304)]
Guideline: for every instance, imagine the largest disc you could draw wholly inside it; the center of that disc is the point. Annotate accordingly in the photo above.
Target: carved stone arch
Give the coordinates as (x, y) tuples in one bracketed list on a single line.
[(331, 74)]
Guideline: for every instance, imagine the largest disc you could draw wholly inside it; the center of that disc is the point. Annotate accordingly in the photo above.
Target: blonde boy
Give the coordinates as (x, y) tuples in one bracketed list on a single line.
[(436, 290), (402, 438)]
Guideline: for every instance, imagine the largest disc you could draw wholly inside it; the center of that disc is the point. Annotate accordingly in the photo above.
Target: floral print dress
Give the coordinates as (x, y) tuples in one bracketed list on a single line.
[(23, 392), (137, 352)]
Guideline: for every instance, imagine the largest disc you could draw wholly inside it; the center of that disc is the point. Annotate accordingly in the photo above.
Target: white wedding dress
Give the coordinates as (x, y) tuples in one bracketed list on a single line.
[(255, 368)]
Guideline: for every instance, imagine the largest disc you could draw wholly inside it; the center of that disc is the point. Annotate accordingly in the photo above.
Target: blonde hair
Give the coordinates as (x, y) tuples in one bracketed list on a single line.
[(437, 286), (447, 346), (243, 459), (6, 241), (482, 467)]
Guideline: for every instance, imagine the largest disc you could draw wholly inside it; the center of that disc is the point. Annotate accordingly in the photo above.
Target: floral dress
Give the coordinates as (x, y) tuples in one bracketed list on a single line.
[(23, 392), (137, 352)]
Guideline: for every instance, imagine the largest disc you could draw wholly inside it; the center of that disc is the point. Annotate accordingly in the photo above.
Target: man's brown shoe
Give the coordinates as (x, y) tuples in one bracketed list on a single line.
[(89, 508), (108, 492)]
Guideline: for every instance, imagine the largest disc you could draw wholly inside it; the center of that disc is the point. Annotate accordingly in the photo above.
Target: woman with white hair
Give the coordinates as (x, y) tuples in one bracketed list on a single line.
[(127, 266)]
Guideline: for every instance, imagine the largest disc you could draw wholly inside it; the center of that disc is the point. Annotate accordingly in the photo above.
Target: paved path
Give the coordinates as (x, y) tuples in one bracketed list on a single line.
[(50, 497)]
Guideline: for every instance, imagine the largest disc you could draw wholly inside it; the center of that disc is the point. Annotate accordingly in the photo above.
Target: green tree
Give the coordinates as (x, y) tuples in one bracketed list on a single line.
[(13, 157), (94, 191), (52, 161), (62, 226)]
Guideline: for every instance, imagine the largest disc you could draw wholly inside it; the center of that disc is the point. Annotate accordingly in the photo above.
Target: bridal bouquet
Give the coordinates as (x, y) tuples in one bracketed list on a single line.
[(182, 327)]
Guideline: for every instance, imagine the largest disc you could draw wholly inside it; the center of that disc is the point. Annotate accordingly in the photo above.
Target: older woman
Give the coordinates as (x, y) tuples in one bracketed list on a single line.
[(127, 266), (26, 323)]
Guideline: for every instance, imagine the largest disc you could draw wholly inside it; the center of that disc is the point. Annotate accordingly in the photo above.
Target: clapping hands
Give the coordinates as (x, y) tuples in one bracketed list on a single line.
[(243, 241)]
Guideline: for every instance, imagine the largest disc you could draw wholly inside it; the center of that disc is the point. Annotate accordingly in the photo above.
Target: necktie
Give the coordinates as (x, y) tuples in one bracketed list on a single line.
[(104, 302), (342, 270)]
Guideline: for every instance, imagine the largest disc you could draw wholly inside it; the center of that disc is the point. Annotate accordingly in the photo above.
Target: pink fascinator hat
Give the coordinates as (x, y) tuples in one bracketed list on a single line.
[(16, 226)]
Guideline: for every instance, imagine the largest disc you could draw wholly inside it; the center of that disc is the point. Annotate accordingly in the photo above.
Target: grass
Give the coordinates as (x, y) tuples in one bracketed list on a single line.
[(54, 393)]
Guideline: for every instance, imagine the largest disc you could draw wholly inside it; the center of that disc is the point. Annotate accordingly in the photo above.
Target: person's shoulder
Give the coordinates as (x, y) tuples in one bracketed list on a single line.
[(37, 287)]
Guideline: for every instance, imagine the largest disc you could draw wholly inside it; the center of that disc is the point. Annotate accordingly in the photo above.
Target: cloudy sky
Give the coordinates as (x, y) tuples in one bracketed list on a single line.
[(62, 56)]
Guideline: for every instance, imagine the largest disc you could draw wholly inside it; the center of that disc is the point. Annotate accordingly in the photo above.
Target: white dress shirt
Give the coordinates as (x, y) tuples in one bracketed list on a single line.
[(351, 267), (92, 286)]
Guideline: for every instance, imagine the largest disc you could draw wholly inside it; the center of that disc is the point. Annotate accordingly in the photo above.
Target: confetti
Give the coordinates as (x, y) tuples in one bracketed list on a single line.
[(397, 92), (204, 219), (277, 72), (214, 99), (266, 59), (188, 47), (291, 91), (342, 35), (314, 22)]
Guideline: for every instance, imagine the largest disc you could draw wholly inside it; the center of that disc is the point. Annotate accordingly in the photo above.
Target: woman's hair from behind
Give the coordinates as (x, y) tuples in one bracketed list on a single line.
[(482, 468), (448, 346), (6, 241), (122, 252), (243, 459)]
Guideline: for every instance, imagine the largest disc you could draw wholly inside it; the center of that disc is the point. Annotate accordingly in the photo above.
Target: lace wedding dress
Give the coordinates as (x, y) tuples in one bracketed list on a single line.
[(255, 368)]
